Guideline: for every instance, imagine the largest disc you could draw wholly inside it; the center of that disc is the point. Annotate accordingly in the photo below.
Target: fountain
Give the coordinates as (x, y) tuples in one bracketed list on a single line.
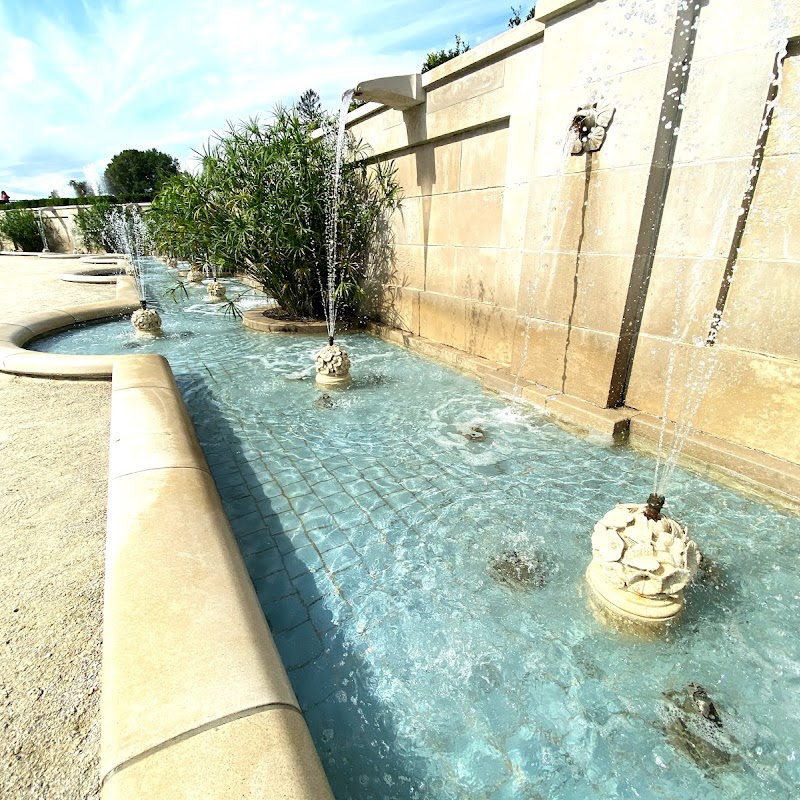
[(196, 274), (40, 225), (215, 290), (642, 560), (641, 563), (519, 684), (130, 236), (333, 361)]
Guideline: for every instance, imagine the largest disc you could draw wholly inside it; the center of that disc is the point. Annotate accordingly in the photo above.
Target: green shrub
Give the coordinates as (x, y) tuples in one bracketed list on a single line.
[(437, 57), (92, 224), (258, 207), (22, 228), (516, 16)]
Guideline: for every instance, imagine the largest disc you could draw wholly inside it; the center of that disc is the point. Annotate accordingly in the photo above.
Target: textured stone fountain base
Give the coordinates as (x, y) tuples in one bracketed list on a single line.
[(651, 612), (334, 381), (146, 322), (333, 367), (195, 275), (215, 291)]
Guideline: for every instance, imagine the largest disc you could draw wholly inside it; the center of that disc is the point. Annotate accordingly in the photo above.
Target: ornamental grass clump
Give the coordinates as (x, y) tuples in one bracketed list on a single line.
[(21, 227), (257, 207)]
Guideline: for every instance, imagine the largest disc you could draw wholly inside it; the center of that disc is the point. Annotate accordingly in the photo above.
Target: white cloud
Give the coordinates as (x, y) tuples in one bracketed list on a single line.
[(145, 73)]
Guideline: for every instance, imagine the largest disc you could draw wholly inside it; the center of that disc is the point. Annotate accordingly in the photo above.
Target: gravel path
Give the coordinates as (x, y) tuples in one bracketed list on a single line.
[(53, 465)]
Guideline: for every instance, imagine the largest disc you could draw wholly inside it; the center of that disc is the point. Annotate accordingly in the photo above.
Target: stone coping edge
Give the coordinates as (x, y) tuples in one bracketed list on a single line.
[(188, 659), (106, 274), (15, 359), (255, 320), (550, 9), (752, 469), (195, 699)]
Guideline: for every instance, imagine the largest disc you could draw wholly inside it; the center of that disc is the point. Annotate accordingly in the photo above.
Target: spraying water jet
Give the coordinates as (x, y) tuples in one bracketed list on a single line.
[(333, 361)]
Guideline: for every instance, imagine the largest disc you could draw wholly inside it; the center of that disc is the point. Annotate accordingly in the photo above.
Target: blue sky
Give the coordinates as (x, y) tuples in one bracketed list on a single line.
[(85, 79)]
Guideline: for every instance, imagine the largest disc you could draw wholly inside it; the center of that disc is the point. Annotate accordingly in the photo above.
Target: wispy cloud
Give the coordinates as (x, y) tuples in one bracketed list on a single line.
[(84, 80)]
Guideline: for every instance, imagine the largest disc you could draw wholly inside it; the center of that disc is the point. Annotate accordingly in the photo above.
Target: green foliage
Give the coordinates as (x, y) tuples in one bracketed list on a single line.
[(309, 109), (21, 227), (258, 207), (136, 173), (437, 57), (92, 223), (356, 103), (516, 16), (82, 188)]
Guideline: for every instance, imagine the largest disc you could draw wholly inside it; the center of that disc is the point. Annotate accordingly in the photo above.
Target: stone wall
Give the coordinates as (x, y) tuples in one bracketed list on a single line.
[(596, 275), (60, 227)]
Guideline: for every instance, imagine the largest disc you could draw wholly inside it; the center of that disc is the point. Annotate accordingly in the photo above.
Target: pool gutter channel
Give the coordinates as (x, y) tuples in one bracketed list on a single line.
[(195, 699), (769, 476)]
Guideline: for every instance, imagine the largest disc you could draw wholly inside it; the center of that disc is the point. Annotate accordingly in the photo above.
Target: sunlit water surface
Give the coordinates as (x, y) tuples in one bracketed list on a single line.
[(369, 527)]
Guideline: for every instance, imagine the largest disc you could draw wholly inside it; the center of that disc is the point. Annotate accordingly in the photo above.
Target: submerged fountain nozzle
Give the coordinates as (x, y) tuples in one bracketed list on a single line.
[(143, 304), (330, 341), (655, 502)]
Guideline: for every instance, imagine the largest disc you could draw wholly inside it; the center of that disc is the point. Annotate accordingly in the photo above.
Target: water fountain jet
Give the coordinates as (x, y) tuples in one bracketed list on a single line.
[(129, 233), (333, 361)]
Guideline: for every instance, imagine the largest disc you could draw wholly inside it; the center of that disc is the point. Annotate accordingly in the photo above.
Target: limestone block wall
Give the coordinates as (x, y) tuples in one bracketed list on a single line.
[(753, 375), (594, 275), (464, 160)]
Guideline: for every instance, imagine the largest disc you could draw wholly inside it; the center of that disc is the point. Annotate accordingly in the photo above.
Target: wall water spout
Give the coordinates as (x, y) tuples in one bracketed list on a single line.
[(588, 127), (396, 91)]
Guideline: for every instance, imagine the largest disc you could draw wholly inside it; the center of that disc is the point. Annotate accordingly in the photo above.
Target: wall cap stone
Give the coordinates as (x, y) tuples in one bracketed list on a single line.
[(499, 45), (547, 10)]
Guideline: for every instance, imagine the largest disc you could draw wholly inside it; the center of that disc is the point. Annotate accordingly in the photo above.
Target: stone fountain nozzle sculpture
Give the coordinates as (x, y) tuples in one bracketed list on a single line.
[(641, 563), (146, 321), (588, 126), (400, 92)]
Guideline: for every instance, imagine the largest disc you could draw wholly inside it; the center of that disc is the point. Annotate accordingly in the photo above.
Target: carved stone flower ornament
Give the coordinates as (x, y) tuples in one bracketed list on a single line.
[(146, 321), (653, 558), (215, 290), (588, 128), (333, 360)]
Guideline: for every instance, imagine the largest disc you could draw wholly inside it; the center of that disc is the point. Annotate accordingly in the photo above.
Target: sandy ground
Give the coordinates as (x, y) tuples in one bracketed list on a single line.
[(53, 464)]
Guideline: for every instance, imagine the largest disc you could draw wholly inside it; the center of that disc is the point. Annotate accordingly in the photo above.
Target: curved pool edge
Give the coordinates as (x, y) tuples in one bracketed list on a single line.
[(17, 360), (196, 700)]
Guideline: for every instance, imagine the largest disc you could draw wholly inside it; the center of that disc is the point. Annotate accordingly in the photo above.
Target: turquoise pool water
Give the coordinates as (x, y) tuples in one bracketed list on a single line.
[(369, 528)]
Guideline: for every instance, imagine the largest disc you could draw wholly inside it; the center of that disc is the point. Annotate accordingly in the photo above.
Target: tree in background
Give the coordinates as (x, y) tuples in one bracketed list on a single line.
[(437, 57), (516, 18), (82, 188), (309, 109), (135, 174)]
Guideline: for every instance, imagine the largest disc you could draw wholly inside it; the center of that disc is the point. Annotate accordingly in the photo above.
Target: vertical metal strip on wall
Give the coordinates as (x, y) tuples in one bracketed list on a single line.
[(655, 196)]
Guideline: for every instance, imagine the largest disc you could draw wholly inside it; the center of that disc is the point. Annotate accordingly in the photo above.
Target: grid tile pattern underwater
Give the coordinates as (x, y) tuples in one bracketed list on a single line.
[(369, 525)]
